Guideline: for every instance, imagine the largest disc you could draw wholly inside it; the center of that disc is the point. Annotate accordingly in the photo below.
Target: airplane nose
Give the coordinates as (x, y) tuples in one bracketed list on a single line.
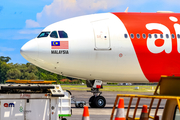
[(30, 50)]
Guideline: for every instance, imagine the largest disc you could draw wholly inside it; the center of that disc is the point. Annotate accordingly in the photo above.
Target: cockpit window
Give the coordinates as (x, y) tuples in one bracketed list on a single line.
[(62, 34), (43, 34), (54, 34)]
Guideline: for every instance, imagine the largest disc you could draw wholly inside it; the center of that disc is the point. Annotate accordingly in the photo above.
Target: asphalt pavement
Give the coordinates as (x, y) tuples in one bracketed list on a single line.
[(105, 113)]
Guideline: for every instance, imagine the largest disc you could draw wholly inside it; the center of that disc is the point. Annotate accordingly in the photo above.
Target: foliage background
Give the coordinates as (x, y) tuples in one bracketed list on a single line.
[(29, 71)]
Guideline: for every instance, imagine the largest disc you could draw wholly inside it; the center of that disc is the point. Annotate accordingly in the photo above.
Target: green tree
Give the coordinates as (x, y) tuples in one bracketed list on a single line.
[(4, 67), (13, 74), (5, 59), (46, 75), (32, 76), (27, 71)]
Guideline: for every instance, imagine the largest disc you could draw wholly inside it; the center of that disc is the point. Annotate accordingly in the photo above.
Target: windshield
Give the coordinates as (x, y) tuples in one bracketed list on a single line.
[(63, 34), (54, 34), (43, 34)]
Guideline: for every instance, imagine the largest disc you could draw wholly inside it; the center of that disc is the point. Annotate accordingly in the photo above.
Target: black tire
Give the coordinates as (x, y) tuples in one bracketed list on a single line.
[(81, 105), (69, 92), (100, 102), (91, 102), (64, 119), (77, 106)]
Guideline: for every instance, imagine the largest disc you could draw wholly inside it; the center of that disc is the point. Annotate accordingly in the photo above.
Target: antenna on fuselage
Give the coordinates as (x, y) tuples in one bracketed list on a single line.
[(126, 10)]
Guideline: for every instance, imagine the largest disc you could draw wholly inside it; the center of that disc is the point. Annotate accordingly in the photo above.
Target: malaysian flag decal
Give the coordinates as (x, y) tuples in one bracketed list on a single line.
[(59, 45)]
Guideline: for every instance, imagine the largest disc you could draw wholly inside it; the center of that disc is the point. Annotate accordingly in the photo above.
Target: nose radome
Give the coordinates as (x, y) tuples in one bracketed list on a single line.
[(30, 50)]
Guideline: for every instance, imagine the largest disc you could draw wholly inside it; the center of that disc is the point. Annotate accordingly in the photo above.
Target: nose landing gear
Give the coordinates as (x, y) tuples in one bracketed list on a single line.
[(96, 101)]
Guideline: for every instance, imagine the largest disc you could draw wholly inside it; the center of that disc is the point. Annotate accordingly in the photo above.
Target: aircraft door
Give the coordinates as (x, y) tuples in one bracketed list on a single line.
[(101, 33)]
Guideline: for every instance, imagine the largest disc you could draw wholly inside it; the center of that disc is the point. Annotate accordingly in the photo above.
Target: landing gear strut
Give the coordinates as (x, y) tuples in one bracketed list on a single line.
[(96, 101)]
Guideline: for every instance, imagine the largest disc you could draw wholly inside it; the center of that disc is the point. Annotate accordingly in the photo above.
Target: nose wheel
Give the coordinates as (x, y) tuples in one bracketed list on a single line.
[(97, 102), (91, 102)]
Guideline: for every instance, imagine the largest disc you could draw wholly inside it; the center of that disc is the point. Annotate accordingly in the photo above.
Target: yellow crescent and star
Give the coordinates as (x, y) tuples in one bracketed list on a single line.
[(55, 43)]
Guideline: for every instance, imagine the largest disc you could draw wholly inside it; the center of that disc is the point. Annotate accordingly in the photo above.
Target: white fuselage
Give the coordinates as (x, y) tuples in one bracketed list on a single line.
[(96, 49)]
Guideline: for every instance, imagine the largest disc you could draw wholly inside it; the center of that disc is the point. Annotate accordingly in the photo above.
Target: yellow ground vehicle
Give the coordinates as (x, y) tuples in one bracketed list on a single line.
[(168, 88), (30, 81)]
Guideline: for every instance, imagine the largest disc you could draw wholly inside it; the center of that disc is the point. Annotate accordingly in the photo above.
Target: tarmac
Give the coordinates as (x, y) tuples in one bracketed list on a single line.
[(105, 113)]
